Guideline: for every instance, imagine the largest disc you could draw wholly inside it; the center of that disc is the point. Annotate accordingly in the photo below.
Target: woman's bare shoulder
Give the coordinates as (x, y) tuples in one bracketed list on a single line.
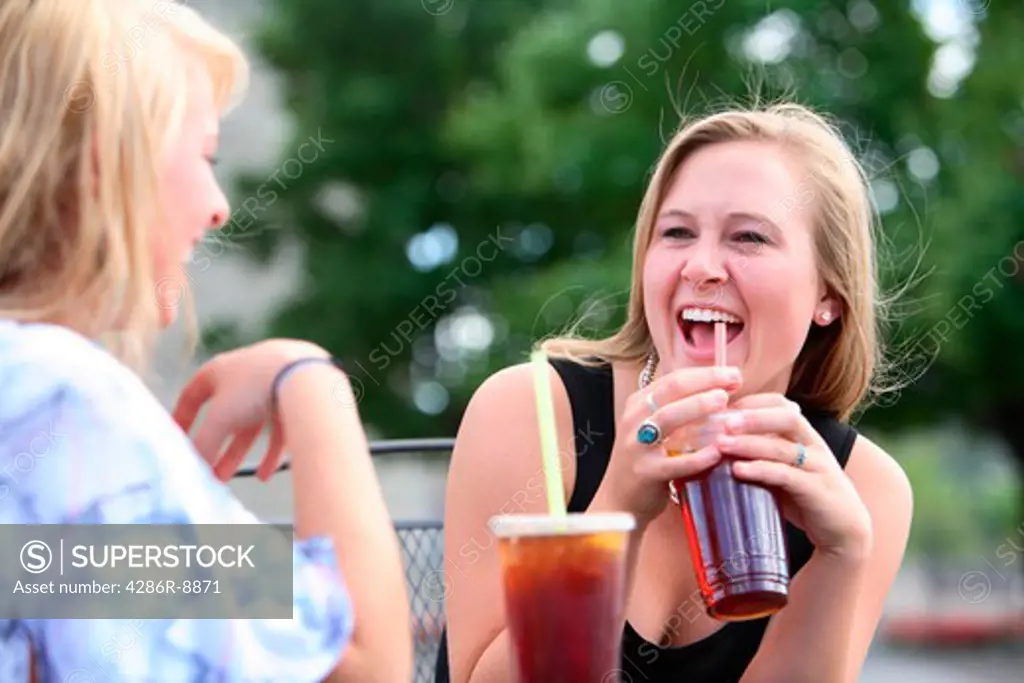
[(498, 444)]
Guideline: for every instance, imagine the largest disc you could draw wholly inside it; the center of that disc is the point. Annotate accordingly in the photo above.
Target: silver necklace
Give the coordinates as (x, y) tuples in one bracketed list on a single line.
[(647, 374)]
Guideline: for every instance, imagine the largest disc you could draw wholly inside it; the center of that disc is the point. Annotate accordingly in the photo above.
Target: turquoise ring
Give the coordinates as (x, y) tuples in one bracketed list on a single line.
[(649, 433), (801, 455)]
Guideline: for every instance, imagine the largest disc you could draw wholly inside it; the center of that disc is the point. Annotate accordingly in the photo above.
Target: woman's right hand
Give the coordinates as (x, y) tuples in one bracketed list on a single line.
[(237, 386), (638, 474)]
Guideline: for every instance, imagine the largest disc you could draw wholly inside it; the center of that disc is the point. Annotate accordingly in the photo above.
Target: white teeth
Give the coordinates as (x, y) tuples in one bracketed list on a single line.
[(707, 315)]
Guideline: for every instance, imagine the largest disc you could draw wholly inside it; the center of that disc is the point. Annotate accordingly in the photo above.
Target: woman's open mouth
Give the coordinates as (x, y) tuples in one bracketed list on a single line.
[(698, 327)]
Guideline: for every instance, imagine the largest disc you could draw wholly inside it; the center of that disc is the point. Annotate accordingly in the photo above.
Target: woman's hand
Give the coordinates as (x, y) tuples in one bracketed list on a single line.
[(237, 385), (815, 494), (638, 474)]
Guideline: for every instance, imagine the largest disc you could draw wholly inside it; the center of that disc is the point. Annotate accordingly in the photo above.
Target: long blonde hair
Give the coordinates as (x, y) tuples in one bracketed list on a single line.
[(92, 93), (835, 368)]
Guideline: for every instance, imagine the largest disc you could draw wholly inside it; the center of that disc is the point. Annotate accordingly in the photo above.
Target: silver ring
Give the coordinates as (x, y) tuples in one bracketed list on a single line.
[(801, 455), (649, 399), (649, 433)]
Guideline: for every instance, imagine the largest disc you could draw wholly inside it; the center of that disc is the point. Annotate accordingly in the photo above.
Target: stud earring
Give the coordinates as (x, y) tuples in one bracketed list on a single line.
[(825, 317)]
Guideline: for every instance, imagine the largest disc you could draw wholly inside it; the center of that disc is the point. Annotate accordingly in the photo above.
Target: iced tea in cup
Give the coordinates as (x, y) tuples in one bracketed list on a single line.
[(735, 534), (564, 581)]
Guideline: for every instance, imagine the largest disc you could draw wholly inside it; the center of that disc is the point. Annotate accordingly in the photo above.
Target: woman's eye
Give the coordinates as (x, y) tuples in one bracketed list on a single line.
[(752, 237), (678, 233)]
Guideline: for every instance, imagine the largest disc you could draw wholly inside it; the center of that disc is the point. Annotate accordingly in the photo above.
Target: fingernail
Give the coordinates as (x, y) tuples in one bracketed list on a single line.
[(734, 422), (728, 374), (726, 440)]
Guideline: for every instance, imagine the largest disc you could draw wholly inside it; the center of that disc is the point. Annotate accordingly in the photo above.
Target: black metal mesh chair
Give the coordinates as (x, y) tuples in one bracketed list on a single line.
[(422, 547)]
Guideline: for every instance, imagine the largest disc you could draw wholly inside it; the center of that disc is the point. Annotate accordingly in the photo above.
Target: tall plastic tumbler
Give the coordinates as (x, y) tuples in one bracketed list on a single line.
[(736, 538), (564, 581)]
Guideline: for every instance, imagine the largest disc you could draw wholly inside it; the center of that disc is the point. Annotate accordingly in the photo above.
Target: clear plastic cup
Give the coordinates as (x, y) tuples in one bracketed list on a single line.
[(564, 582)]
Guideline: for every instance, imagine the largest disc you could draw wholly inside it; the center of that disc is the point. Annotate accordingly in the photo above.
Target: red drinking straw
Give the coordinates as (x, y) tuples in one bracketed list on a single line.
[(720, 341)]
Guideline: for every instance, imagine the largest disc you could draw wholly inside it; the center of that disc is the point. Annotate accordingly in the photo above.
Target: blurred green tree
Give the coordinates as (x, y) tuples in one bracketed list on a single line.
[(951, 520), (488, 159)]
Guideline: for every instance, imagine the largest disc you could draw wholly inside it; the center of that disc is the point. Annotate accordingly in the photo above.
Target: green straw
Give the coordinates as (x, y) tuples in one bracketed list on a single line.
[(548, 434)]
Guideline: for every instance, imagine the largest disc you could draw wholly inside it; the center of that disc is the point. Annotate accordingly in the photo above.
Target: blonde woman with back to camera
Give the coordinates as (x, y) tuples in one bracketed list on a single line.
[(762, 218), (107, 142)]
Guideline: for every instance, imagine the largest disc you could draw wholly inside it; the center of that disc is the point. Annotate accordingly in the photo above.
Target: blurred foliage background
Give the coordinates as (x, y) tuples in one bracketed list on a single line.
[(483, 162)]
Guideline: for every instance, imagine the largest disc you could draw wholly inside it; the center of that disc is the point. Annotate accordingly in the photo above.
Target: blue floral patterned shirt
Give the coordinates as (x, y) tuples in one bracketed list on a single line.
[(83, 441)]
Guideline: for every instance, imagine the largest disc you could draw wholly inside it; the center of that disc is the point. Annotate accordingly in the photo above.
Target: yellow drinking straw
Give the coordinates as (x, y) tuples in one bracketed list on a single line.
[(548, 434)]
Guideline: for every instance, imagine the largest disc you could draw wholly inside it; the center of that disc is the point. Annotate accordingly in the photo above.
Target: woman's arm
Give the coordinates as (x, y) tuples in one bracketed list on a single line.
[(337, 496), (314, 416), (117, 457), (824, 633), (495, 468)]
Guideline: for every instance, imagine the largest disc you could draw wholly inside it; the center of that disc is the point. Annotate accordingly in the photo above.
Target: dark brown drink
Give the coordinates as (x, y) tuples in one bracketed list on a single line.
[(564, 584), (736, 539)]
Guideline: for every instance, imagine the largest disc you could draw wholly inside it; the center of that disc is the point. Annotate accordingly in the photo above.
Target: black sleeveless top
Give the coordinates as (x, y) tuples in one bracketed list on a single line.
[(723, 656)]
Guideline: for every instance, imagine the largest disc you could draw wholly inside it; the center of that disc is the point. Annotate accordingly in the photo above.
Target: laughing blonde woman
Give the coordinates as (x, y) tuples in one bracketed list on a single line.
[(109, 115), (762, 219)]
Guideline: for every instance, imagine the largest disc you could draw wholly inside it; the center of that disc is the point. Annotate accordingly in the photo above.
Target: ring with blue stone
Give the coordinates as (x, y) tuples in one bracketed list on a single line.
[(801, 455), (649, 433)]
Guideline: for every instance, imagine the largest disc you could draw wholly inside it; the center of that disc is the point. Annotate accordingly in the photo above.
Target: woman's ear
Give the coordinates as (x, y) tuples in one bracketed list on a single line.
[(826, 311)]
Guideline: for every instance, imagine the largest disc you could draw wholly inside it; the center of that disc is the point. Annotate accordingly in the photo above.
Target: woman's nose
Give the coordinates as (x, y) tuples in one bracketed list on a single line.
[(703, 264)]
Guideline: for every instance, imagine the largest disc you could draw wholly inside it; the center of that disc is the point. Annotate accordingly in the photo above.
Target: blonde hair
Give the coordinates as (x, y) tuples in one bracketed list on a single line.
[(91, 96), (836, 366)]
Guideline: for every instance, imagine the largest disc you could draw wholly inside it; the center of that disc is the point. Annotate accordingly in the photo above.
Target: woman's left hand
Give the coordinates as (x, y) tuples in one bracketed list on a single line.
[(814, 492)]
